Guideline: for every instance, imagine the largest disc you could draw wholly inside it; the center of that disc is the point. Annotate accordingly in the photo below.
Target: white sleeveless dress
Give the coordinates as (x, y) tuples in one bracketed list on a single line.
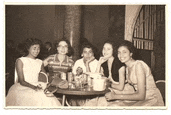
[(19, 95)]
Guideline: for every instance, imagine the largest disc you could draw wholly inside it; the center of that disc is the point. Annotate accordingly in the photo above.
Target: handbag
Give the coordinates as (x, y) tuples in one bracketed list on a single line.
[(54, 85)]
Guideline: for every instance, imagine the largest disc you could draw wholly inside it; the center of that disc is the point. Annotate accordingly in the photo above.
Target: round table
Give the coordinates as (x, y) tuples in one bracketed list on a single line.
[(80, 91)]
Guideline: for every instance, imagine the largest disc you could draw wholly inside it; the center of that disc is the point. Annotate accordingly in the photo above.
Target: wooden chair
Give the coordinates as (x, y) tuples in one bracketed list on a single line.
[(161, 86)]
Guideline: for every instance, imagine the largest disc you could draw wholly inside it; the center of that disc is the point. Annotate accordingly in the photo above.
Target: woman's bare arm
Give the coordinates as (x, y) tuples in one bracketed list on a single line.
[(87, 64), (100, 62), (120, 86), (42, 68), (19, 69), (45, 61), (141, 87)]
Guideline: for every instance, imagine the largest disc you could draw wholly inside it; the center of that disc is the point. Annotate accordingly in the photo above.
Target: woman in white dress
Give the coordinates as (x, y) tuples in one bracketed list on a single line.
[(27, 90)]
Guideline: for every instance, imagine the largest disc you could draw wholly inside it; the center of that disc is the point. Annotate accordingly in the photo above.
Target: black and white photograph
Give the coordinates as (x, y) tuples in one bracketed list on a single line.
[(85, 56)]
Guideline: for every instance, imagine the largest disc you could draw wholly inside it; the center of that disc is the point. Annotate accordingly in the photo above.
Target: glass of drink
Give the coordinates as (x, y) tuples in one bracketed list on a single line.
[(89, 81), (70, 77), (82, 82), (77, 84)]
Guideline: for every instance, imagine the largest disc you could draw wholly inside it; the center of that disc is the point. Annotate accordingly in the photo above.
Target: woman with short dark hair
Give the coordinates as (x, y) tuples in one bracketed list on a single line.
[(87, 63), (61, 61)]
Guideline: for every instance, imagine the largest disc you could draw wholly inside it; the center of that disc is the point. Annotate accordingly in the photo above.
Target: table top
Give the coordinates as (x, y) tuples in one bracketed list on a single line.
[(82, 91)]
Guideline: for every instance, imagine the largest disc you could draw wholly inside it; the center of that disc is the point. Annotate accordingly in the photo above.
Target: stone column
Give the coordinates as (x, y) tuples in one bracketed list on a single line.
[(72, 27)]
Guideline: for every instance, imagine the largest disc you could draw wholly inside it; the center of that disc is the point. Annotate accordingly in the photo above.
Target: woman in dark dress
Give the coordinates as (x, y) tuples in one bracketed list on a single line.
[(110, 66)]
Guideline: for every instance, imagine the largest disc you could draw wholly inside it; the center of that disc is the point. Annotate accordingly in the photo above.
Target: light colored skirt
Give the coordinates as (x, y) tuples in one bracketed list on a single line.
[(19, 95), (153, 98)]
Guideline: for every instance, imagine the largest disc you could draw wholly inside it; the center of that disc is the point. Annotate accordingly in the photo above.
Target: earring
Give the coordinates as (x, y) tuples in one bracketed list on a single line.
[(131, 57)]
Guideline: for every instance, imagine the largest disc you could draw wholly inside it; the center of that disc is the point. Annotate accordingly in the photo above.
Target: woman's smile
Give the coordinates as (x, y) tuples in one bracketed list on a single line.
[(62, 47), (122, 59), (107, 50), (34, 50), (124, 54)]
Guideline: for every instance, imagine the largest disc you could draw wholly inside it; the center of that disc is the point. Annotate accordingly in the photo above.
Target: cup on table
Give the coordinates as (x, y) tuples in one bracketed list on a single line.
[(85, 76), (82, 82), (63, 75), (99, 84), (76, 78), (70, 77), (89, 81), (77, 84), (57, 74)]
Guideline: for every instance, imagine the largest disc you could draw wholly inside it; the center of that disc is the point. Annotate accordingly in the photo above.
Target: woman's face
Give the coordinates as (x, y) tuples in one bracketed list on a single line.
[(87, 53), (62, 48), (124, 54), (34, 50), (107, 50)]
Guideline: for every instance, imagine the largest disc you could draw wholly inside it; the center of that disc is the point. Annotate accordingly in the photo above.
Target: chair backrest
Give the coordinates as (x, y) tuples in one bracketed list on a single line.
[(43, 77), (161, 86)]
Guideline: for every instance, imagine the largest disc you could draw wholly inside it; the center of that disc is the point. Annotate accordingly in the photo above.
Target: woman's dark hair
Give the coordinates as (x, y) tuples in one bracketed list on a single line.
[(86, 45), (114, 46), (48, 43), (130, 47), (31, 41), (21, 50), (70, 49)]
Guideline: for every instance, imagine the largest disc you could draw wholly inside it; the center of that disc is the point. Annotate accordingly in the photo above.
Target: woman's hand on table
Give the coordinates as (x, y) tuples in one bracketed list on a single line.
[(110, 96), (108, 82)]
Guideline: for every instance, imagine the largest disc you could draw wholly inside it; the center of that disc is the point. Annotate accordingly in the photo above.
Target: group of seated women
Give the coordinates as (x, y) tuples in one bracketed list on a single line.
[(132, 81)]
